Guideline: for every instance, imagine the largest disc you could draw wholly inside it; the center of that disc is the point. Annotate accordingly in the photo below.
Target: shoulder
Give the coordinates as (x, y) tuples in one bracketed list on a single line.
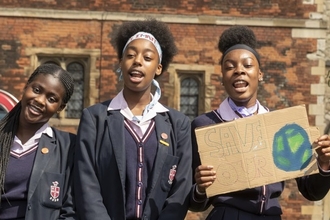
[(99, 107), (207, 118), (175, 113), (59, 134)]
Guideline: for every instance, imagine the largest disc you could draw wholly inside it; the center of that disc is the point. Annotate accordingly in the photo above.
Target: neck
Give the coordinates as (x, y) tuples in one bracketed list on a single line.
[(137, 101), (247, 104), (243, 110), (24, 133)]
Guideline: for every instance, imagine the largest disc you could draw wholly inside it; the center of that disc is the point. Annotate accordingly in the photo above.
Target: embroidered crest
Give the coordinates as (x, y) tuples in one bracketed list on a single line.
[(172, 174), (54, 191)]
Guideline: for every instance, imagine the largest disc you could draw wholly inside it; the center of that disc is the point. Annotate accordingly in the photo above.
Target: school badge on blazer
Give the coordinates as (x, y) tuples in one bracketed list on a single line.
[(54, 191), (172, 174)]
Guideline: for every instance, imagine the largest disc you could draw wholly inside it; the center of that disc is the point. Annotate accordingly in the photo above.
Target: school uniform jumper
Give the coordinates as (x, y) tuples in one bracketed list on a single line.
[(249, 204), (108, 153), (49, 186)]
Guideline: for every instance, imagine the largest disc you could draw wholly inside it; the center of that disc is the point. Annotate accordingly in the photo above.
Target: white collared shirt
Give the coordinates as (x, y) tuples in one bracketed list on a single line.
[(19, 148), (228, 114), (140, 126)]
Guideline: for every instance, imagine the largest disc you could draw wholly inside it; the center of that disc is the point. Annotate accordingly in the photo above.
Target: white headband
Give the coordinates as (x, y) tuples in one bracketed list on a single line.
[(149, 37)]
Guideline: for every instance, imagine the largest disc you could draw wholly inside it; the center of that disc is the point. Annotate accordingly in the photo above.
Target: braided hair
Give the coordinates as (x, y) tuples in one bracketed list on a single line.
[(9, 124), (157, 28)]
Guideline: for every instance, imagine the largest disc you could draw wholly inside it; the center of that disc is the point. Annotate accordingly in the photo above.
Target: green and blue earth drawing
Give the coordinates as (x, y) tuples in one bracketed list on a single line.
[(292, 149)]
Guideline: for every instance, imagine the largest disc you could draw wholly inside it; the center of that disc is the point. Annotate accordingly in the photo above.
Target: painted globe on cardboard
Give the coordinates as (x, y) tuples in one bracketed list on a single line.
[(292, 149)]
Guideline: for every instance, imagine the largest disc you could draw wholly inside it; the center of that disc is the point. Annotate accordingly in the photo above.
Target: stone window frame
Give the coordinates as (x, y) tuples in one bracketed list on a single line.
[(202, 73), (87, 57)]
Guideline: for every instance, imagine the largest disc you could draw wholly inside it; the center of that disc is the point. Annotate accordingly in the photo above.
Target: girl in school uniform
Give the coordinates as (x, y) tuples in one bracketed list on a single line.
[(36, 159), (133, 156), (240, 65)]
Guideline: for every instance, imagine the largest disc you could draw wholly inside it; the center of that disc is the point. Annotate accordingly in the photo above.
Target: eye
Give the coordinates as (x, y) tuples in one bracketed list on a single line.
[(52, 99), (147, 58), (229, 67), (36, 90)]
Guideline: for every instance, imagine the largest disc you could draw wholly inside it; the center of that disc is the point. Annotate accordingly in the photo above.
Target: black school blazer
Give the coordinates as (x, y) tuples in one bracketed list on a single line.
[(100, 166), (52, 169)]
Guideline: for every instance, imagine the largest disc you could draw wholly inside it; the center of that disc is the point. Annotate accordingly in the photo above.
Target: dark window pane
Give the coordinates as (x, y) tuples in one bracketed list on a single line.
[(189, 97), (3, 112), (75, 105)]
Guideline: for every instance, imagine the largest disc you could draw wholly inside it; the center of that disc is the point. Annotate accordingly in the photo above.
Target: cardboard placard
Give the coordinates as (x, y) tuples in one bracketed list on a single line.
[(258, 150)]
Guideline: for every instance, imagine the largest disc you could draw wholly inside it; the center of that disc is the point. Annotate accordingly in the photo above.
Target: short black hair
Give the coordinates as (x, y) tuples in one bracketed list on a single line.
[(237, 35), (158, 29)]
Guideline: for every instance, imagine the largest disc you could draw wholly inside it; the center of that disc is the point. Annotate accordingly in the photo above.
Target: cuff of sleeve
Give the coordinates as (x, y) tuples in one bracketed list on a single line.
[(197, 196), (323, 172)]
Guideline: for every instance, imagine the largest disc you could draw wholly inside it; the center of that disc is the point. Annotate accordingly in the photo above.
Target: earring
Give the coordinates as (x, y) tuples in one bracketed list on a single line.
[(260, 79), (222, 83)]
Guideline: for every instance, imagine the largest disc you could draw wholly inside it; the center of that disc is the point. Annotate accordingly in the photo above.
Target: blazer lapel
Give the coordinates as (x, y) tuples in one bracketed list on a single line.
[(116, 133), (44, 153), (164, 144)]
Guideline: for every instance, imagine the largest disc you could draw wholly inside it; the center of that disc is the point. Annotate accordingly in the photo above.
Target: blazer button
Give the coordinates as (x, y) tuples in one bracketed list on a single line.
[(29, 207)]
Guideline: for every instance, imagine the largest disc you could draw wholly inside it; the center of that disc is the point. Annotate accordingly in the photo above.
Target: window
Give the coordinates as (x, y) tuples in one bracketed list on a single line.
[(189, 91), (189, 88), (81, 63), (76, 103)]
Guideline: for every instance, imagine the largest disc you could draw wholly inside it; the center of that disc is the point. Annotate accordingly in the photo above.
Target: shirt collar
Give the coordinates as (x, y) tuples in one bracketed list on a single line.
[(45, 129), (119, 103), (228, 114)]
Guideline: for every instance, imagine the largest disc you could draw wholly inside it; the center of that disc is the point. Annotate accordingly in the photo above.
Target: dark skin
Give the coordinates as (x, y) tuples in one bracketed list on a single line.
[(140, 64), (41, 99), (241, 75)]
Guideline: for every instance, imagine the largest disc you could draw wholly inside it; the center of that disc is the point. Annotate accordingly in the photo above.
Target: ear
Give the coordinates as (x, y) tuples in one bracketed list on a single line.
[(159, 69), (261, 75)]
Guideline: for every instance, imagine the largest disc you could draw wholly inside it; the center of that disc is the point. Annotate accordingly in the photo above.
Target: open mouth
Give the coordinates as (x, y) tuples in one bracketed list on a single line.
[(136, 76), (240, 84), (35, 110)]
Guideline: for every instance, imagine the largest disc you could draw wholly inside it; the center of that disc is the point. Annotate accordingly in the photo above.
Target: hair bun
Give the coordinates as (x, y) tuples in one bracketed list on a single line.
[(237, 35)]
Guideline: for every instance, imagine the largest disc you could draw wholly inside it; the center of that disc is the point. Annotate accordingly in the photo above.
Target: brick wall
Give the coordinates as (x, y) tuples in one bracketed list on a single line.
[(243, 8), (284, 60)]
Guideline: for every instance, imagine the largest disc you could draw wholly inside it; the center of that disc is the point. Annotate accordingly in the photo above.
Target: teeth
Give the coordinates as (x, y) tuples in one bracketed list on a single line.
[(136, 73), (35, 109), (240, 82)]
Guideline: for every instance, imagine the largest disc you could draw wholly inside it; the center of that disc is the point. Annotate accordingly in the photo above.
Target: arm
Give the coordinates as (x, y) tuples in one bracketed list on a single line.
[(176, 205), (315, 187), (204, 176), (68, 209), (89, 201)]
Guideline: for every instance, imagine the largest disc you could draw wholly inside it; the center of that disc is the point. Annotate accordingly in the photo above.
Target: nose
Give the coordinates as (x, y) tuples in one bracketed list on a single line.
[(138, 59), (240, 69), (40, 100)]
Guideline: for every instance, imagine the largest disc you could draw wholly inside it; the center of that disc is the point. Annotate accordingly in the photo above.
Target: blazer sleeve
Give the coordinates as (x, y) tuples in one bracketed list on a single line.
[(314, 187), (68, 209), (202, 202), (176, 204), (88, 196)]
